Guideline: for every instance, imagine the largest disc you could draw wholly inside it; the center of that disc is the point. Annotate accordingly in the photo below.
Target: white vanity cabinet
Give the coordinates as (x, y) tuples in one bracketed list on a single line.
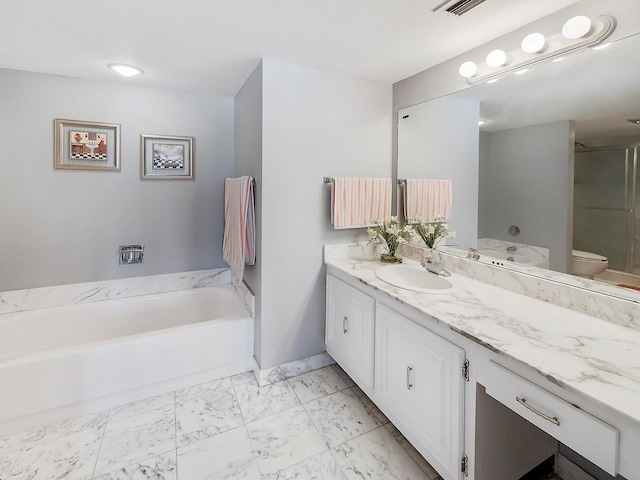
[(350, 329), (420, 385)]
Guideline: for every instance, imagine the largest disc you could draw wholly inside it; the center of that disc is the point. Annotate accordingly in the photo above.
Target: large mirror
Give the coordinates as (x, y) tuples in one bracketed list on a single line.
[(543, 164)]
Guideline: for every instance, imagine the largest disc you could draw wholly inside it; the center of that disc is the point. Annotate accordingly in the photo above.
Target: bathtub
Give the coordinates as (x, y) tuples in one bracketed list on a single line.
[(66, 361)]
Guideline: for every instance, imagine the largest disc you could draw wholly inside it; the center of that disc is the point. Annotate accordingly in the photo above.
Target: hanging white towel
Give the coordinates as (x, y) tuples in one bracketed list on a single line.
[(360, 202), (239, 245), (427, 199)]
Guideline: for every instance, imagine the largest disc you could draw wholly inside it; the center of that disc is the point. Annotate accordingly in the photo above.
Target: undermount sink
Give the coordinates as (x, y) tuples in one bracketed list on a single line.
[(414, 278)]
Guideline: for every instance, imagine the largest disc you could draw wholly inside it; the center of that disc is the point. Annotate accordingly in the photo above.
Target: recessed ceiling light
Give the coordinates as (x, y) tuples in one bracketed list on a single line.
[(125, 70), (634, 120), (601, 47), (481, 122), (520, 72)]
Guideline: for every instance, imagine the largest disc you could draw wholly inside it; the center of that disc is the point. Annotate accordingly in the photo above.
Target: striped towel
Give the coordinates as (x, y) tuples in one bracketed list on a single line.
[(427, 199), (239, 245), (360, 202)]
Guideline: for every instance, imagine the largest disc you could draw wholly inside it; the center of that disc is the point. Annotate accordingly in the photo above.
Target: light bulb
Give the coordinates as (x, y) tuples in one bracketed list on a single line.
[(533, 43), (496, 58), (576, 27), (468, 69), (125, 70)]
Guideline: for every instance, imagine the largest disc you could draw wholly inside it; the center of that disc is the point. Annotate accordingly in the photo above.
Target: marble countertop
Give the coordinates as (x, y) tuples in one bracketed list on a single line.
[(589, 356)]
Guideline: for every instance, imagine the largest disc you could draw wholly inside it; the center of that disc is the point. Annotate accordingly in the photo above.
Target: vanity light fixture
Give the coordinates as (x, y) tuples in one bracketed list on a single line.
[(125, 70), (533, 43), (578, 33)]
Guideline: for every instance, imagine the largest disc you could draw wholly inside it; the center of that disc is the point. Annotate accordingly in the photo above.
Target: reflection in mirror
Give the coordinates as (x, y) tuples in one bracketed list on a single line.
[(556, 157)]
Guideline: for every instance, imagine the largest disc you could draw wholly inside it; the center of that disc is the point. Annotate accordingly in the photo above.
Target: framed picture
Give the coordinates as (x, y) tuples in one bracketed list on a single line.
[(81, 145), (166, 157)]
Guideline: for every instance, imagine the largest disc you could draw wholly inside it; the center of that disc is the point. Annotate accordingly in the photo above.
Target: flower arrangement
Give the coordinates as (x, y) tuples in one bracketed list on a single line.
[(432, 232), (389, 235)]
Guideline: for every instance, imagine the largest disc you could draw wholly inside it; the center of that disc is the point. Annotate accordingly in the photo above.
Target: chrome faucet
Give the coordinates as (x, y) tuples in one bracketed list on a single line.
[(435, 267), (473, 254)]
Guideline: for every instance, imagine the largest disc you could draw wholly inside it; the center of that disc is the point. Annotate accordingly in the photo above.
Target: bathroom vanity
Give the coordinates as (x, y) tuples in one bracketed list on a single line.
[(483, 381)]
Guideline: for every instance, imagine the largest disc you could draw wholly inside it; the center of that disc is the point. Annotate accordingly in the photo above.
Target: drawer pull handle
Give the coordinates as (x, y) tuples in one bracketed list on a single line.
[(523, 402), (409, 384), (344, 324)]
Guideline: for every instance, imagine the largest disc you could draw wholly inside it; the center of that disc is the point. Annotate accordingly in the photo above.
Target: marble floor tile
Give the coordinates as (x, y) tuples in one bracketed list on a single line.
[(7, 459), (259, 402), (197, 390), (135, 438), (17, 441), (376, 456), (320, 467), (227, 456), (341, 416), (316, 384), (369, 405), (162, 467), (141, 406), (209, 414), (53, 432), (280, 441), (345, 377), (71, 457), (246, 377), (413, 453)]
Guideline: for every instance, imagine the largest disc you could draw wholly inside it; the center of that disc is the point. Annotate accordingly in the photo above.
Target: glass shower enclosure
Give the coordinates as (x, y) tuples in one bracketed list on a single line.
[(605, 190)]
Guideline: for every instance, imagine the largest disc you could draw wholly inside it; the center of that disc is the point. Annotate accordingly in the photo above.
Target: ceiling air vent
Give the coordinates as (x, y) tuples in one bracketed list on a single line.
[(458, 7)]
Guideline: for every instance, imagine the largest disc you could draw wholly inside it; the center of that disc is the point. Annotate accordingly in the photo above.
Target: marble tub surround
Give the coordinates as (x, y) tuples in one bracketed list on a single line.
[(47, 297), (245, 294), (590, 357), (535, 254), (289, 440)]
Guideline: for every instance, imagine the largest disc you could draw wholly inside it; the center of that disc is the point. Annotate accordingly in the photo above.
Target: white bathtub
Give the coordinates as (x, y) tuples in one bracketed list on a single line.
[(66, 361)]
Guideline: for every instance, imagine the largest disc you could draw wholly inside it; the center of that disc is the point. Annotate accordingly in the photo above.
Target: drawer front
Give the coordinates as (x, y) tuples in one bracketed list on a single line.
[(587, 435), (350, 330)]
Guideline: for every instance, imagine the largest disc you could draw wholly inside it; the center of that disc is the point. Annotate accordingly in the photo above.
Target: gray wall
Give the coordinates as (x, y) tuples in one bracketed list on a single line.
[(316, 124), (61, 226), (439, 139), (528, 182), (248, 161)]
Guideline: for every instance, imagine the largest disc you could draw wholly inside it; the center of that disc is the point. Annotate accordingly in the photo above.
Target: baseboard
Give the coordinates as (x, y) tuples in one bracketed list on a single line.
[(291, 369)]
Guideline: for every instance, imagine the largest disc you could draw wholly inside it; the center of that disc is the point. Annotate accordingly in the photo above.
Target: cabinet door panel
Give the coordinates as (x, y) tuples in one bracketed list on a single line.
[(350, 329), (419, 381)]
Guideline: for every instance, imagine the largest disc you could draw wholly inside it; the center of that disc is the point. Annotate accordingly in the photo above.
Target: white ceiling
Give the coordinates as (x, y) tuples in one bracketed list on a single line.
[(213, 45)]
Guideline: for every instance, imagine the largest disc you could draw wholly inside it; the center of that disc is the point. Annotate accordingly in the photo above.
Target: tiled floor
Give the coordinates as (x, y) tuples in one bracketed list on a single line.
[(317, 426)]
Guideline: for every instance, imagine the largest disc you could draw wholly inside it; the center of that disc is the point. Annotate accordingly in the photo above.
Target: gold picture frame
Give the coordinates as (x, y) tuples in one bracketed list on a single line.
[(166, 157), (82, 145)]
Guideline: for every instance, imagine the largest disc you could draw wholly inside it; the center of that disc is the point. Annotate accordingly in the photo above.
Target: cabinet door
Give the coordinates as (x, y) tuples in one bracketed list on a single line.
[(419, 380), (349, 330)]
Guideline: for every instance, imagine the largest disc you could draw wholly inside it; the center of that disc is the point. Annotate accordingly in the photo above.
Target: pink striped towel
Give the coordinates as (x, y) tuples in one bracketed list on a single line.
[(360, 202), (427, 199), (239, 245)]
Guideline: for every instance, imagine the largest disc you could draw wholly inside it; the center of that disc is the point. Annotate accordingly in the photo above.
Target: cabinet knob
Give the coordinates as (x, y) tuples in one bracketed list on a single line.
[(408, 380), (344, 324)]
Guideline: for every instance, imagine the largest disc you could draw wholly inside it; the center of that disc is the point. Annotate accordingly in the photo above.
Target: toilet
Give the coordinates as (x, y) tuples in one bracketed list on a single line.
[(587, 264)]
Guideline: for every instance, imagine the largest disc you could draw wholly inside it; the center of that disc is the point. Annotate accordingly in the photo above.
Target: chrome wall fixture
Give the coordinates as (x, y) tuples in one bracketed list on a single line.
[(128, 254), (578, 33)]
